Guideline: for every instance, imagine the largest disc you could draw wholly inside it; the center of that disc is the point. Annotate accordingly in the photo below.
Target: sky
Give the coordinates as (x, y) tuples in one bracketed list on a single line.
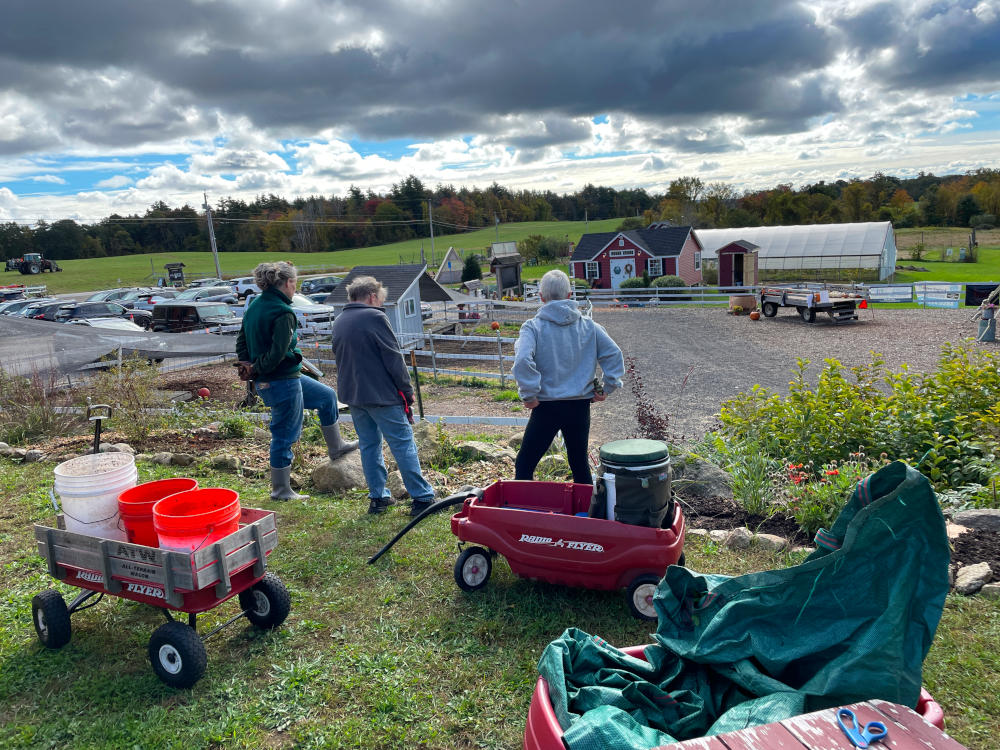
[(107, 107)]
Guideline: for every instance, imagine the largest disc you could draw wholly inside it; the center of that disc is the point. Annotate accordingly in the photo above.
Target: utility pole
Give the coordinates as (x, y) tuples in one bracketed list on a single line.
[(211, 236), (430, 220)]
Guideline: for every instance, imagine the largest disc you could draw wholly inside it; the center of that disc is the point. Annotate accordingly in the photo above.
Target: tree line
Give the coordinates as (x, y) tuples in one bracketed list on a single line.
[(363, 219)]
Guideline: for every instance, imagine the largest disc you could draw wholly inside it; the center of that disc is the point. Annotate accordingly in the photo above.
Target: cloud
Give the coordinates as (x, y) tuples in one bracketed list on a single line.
[(51, 178), (113, 183)]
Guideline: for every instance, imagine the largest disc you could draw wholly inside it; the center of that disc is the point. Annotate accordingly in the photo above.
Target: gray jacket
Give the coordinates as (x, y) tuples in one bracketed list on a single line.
[(557, 353), (370, 367)]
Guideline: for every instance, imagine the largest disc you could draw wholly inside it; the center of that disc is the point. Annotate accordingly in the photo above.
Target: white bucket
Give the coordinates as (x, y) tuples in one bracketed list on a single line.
[(88, 489)]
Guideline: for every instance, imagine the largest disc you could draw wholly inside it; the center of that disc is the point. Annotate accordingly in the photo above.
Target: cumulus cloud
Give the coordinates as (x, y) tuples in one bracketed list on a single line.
[(114, 183)]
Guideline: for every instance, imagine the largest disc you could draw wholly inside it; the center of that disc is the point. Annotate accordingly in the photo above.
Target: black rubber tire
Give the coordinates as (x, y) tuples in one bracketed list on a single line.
[(769, 309), (34, 268), (266, 604), (807, 314), (177, 654), (639, 596), (51, 619), (469, 568)]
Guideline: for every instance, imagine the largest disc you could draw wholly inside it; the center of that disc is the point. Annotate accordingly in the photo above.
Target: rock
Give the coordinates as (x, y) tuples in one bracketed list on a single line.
[(696, 532), (396, 487), (803, 549), (182, 459), (3, 446), (718, 535), (954, 530), (475, 450), (259, 433), (552, 466), (20, 452), (33, 455), (143, 457), (990, 591), (971, 578), (163, 458), (426, 436), (453, 471), (107, 448), (740, 538), (226, 462), (985, 519), (250, 471), (7, 451), (696, 478), (514, 441), (123, 448), (295, 481), (771, 542), (336, 476)]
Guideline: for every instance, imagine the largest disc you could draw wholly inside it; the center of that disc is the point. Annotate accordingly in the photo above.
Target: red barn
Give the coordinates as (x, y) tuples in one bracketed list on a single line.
[(606, 259)]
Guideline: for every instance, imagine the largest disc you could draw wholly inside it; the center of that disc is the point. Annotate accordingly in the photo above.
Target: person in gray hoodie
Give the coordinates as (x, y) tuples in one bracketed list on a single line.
[(555, 362)]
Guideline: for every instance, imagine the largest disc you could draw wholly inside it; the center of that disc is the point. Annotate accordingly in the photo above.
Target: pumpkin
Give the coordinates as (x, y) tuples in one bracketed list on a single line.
[(755, 315)]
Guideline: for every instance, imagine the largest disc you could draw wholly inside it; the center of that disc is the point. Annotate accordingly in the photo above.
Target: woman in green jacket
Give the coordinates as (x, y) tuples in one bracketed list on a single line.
[(269, 355)]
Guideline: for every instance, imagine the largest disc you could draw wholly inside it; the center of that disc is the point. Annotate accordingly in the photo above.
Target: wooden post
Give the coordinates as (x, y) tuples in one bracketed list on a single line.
[(433, 357), (416, 383), (500, 359)]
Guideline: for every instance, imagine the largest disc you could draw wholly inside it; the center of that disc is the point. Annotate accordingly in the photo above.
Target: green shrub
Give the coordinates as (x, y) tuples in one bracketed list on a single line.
[(662, 281), (817, 496), (30, 408), (130, 390), (635, 282), (506, 395), (471, 269), (946, 423), (236, 426)]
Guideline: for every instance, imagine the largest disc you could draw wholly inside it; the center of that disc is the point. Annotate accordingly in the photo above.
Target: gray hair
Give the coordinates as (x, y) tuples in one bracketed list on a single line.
[(273, 274), (554, 286), (363, 286)]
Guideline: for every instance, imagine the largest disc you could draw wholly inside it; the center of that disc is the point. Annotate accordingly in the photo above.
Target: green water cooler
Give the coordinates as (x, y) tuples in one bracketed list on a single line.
[(633, 484)]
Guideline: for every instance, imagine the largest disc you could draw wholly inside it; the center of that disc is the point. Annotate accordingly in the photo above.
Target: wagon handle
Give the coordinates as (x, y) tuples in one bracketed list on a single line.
[(458, 497)]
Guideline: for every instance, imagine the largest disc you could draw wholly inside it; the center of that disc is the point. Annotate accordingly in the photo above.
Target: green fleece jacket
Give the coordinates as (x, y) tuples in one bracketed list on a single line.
[(268, 339)]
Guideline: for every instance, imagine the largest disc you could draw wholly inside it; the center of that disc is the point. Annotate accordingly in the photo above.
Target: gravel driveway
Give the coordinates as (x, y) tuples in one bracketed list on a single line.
[(691, 360)]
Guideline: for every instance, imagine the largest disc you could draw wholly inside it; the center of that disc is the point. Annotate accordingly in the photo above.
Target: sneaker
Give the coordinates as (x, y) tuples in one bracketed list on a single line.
[(419, 506), (379, 505)]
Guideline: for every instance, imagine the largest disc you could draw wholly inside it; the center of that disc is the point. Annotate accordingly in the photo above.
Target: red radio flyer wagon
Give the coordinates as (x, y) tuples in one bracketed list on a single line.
[(189, 582), (543, 530)]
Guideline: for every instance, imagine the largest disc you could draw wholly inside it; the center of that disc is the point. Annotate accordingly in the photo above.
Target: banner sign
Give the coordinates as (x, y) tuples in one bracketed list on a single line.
[(898, 293), (930, 294)]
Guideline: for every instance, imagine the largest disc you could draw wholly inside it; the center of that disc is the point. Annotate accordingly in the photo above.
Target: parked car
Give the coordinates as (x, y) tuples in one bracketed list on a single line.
[(200, 283), (244, 286), (208, 294), (320, 284), (41, 310), (117, 324), (313, 317), (72, 310), (144, 300), (319, 297), (178, 316), (14, 307), (108, 295)]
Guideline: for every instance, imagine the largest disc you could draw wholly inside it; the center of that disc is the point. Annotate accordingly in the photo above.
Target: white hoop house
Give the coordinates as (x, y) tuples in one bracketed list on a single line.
[(869, 245)]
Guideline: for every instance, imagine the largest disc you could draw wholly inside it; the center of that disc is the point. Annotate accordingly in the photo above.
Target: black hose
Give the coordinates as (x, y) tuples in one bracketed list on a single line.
[(458, 497)]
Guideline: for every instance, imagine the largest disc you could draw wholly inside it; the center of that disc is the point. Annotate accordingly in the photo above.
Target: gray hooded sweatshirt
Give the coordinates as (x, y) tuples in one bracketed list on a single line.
[(557, 353)]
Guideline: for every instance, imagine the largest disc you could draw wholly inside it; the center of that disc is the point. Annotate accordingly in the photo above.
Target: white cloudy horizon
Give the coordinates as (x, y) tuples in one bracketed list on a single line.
[(108, 108)]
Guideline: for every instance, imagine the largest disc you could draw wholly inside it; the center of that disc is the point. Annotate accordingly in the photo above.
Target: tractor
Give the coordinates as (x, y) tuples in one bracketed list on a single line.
[(31, 264)]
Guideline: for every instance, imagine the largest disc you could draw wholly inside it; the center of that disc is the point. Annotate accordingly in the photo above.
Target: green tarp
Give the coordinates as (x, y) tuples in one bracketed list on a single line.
[(851, 623)]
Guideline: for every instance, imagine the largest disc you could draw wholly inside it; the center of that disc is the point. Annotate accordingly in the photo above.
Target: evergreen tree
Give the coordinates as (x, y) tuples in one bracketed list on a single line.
[(471, 269)]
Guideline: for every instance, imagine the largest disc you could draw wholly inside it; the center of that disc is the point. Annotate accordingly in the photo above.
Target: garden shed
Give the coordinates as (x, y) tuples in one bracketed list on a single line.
[(738, 262), (450, 270), (505, 264), (408, 286), (606, 259), (815, 248)]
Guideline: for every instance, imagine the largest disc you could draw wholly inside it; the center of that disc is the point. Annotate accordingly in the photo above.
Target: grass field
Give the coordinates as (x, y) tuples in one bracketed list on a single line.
[(390, 656), (136, 270)]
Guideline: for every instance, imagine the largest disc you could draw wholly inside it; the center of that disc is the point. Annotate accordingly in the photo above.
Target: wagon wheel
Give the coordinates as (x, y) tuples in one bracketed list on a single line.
[(770, 309), (639, 596), (808, 314), (473, 568), (266, 604), (51, 619), (177, 654)]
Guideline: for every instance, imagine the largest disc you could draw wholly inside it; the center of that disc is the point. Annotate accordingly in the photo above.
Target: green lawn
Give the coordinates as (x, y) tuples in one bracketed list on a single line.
[(391, 656), (101, 273), (986, 269)]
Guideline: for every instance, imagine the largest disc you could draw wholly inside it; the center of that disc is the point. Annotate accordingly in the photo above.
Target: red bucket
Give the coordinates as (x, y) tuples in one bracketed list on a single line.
[(190, 520), (135, 506)]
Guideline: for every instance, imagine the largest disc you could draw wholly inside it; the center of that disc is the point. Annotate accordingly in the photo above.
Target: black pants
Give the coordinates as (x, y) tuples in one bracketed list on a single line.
[(548, 418)]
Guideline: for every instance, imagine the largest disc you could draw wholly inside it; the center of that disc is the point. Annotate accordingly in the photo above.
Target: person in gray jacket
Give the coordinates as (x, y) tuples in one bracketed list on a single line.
[(373, 380), (555, 362)]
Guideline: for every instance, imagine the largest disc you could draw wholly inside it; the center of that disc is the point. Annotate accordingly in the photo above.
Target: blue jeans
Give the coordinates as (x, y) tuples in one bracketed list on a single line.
[(372, 423), (287, 399)]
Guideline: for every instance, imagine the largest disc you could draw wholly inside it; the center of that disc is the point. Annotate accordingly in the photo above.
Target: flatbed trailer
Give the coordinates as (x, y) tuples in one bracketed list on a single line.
[(840, 306)]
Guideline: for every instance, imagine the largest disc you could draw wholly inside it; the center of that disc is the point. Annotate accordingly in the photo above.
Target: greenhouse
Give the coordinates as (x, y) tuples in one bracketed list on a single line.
[(865, 249)]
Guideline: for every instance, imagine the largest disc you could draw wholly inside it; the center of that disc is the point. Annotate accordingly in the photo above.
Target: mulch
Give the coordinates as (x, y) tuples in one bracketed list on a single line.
[(724, 515)]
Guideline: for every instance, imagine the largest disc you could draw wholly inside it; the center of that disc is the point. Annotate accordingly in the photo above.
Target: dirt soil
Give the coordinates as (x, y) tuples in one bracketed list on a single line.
[(976, 546), (721, 514)]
